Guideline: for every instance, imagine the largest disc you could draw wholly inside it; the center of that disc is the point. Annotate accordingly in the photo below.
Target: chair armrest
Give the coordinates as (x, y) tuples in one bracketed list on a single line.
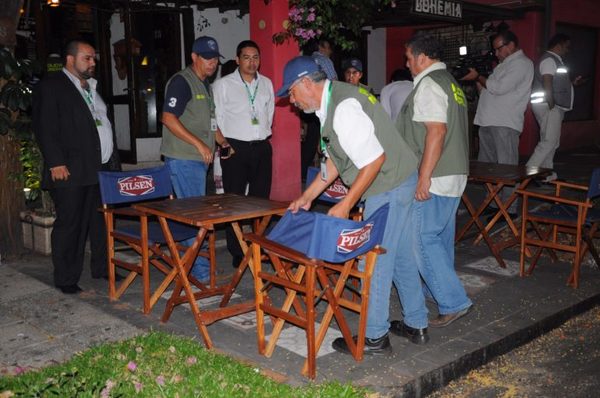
[(560, 184), (281, 250), (550, 198), (122, 211)]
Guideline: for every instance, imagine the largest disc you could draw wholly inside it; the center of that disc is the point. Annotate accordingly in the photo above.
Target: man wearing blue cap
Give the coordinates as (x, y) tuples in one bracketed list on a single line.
[(355, 131), (353, 72), (188, 141)]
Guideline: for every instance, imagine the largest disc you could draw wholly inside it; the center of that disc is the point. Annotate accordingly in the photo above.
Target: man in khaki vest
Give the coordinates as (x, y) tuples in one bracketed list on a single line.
[(433, 121), (354, 132), (190, 128)]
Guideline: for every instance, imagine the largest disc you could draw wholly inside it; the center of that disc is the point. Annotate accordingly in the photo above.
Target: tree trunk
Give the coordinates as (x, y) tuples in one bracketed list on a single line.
[(12, 200)]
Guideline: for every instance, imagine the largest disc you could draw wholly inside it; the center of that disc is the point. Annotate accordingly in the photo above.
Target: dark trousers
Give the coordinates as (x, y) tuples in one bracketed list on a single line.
[(77, 216), (250, 165), (308, 149)]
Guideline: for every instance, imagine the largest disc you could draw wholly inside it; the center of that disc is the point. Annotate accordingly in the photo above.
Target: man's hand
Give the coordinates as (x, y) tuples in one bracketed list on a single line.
[(205, 152), (59, 173), (422, 191), (340, 210), (300, 203), (472, 75)]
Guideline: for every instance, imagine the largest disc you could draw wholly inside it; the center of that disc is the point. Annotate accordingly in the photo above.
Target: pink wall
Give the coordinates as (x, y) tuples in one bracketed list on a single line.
[(266, 20)]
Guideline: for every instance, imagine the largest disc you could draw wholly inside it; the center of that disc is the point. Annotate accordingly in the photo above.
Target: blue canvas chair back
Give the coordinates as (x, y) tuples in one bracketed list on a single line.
[(594, 188), (334, 193), (134, 185), (332, 239)]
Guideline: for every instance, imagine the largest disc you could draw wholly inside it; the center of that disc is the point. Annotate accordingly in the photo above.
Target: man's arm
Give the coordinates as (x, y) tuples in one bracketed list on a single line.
[(434, 142), (363, 181), (178, 129), (547, 83)]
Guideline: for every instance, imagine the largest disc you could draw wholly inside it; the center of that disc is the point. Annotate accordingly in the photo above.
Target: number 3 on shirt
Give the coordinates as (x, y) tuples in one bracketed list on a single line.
[(172, 102)]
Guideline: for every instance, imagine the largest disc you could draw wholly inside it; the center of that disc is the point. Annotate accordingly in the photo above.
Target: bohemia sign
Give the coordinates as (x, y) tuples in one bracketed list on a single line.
[(438, 9)]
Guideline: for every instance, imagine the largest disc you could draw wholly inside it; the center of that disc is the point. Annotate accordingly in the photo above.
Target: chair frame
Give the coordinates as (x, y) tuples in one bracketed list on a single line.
[(310, 280), (150, 254), (548, 239)]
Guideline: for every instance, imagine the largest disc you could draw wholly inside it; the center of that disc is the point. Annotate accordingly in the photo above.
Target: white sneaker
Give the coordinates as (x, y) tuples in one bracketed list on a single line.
[(551, 177)]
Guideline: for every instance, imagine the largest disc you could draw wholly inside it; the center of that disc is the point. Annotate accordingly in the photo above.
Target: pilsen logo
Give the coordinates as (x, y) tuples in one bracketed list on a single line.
[(337, 190), (136, 185), (353, 239)]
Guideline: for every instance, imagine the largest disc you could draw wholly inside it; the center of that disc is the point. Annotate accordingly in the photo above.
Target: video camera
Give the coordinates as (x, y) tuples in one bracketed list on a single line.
[(482, 63)]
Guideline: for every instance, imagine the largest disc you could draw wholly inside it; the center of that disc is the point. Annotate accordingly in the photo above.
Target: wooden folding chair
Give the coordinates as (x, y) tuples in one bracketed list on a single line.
[(306, 281), (563, 213), (131, 229)]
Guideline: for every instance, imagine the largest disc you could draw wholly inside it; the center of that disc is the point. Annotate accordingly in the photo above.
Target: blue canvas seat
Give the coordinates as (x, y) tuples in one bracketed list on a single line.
[(304, 249), (561, 214), (129, 227)]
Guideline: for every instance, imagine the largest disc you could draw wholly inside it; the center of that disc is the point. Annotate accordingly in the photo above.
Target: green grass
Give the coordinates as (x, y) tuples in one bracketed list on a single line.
[(158, 365)]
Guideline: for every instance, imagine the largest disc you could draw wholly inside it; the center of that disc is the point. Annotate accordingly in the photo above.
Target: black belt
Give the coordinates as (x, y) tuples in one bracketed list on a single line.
[(254, 142)]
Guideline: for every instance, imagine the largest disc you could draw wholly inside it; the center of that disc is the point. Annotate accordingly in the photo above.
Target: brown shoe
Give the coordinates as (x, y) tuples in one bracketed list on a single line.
[(444, 320)]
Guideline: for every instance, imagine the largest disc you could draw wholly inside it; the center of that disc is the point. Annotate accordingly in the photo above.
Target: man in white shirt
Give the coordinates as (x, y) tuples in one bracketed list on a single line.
[(551, 98), (503, 99), (393, 95), (434, 124), (244, 102), (355, 131)]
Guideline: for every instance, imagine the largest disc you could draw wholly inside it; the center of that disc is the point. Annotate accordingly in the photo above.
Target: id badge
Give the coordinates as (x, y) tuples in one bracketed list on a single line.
[(323, 168), (253, 118), (213, 124), (98, 122)]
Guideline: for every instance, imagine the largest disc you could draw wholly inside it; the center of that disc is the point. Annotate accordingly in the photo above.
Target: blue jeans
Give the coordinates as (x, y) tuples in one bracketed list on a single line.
[(435, 223), (189, 179), (397, 265)]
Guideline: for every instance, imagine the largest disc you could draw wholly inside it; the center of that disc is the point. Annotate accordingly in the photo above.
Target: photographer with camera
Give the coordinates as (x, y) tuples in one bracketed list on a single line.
[(503, 99)]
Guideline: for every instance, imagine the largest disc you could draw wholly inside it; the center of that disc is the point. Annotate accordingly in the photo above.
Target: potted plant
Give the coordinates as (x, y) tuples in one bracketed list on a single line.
[(17, 148)]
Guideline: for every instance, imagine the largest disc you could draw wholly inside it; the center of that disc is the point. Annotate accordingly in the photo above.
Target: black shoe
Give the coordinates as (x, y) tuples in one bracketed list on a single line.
[(416, 336), (235, 262), (118, 277), (70, 289), (380, 346)]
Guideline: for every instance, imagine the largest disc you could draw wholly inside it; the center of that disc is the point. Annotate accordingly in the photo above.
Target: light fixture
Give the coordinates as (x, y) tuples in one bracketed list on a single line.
[(144, 61), (53, 3)]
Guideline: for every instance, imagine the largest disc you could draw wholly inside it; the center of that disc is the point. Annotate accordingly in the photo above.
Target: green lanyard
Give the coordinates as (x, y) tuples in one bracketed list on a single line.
[(322, 145), (251, 96)]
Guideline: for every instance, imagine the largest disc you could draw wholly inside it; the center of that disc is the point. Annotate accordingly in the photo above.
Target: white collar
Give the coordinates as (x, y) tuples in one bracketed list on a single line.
[(75, 80), (322, 111), (435, 66)]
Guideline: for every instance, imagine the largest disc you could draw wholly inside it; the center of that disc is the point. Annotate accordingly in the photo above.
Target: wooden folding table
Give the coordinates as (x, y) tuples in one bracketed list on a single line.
[(494, 177), (205, 212)]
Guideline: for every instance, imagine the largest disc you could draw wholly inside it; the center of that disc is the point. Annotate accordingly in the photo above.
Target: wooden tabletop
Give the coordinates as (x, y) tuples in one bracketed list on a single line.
[(506, 173), (205, 211)]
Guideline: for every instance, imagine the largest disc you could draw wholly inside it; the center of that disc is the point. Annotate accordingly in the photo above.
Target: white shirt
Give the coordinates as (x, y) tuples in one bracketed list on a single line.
[(354, 129), (393, 96), (234, 110), (548, 67), (98, 110), (505, 99), (431, 105)]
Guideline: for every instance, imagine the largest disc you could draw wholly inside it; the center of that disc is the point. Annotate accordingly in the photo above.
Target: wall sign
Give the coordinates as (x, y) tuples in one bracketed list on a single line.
[(448, 10)]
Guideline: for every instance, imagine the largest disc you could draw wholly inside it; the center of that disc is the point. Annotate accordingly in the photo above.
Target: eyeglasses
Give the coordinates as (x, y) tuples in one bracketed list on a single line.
[(498, 48)]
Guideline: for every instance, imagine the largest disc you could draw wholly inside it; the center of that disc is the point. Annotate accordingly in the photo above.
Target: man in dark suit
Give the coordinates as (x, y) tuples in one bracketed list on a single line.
[(76, 139)]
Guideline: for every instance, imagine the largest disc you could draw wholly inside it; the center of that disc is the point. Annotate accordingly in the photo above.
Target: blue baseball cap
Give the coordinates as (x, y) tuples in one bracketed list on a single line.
[(207, 47), (294, 70), (352, 63)]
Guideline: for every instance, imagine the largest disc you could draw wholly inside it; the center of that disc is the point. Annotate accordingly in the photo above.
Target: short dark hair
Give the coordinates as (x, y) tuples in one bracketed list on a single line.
[(245, 44), (557, 39), (401, 74), (507, 36), (425, 43), (72, 47)]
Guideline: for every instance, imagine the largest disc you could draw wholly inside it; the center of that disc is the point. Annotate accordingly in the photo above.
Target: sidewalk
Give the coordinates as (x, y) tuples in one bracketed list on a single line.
[(41, 326)]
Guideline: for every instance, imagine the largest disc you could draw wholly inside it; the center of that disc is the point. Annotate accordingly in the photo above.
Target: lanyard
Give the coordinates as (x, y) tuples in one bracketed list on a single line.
[(89, 98), (322, 145), (251, 96)]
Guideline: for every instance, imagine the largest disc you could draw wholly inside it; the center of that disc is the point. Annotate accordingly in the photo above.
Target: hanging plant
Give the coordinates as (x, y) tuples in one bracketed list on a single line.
[(340, 21)]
